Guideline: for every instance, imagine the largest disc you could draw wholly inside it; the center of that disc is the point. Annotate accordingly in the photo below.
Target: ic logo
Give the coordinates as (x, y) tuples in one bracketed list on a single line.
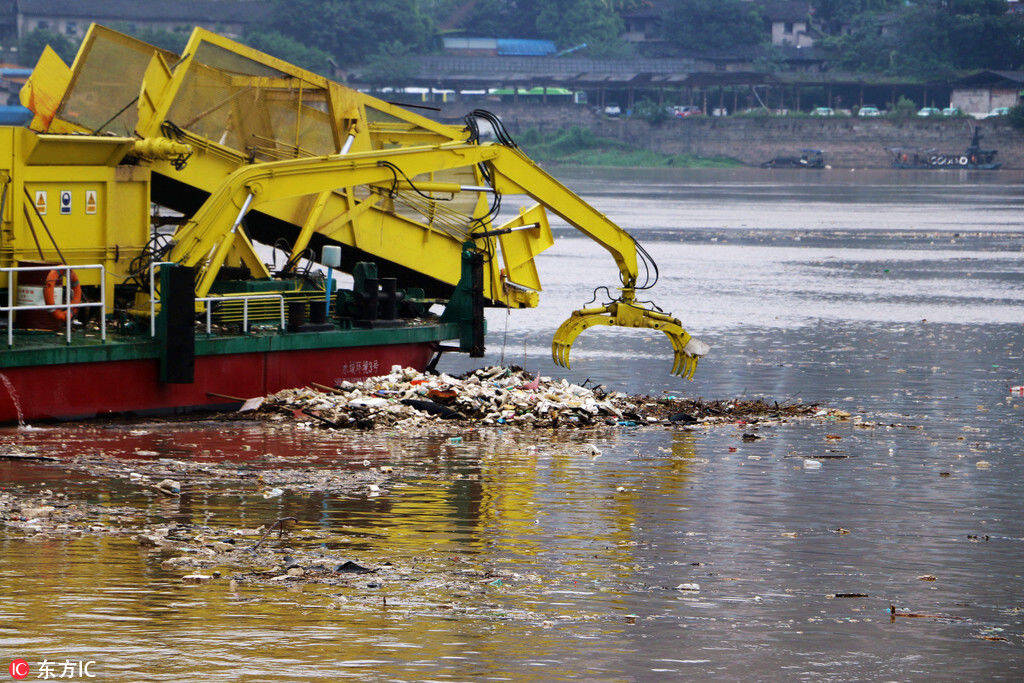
[(19, 669)]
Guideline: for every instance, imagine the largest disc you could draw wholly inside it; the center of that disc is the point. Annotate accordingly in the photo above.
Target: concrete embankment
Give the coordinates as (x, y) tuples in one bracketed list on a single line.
[(847, 142)]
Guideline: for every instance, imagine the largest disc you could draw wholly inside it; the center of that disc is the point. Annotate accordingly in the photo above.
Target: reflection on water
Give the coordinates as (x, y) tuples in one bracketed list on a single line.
[(589, 552)]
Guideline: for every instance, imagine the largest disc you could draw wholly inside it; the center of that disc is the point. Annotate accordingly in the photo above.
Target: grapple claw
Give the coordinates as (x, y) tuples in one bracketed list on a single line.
[(567, 332), (625, 313)]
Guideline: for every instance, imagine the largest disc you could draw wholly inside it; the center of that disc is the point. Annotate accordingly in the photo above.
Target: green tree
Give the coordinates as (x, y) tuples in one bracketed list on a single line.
[(904, 107), (992, 8), (352, 31), (32, 43), (832, 16), (391, 65), (1016, 117), (650, 111), (169, 40), (933, 39), (290, 50), (694, 26), (573, 22), (494, 18)]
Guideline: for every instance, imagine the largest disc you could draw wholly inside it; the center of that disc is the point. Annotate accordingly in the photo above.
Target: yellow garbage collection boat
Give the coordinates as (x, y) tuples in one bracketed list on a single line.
[(141, 204)]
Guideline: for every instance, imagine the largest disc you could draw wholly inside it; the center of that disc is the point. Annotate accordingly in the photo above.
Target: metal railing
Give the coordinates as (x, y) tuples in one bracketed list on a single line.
[(152, 293), (209, 301), (245, 299), (10, 308)]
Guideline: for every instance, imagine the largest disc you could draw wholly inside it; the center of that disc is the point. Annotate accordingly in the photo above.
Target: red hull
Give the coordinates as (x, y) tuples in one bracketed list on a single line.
[(82, 390)]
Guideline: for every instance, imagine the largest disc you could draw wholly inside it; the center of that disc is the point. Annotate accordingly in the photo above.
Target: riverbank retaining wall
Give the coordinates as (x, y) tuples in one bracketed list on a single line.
[(847, 142)]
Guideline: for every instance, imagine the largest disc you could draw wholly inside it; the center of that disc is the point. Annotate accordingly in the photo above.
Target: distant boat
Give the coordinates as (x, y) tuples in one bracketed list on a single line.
[(809, 158), (973, 158)]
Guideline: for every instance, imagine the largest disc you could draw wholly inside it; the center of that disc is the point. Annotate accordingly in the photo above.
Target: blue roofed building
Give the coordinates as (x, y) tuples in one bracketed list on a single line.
[(498, 47)]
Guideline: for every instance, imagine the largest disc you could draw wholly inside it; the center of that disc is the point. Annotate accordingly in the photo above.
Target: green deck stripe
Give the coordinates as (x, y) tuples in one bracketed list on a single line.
[(50, 350)]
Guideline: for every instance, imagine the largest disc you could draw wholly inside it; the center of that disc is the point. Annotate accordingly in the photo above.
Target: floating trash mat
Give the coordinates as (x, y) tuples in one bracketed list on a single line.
[(503, 396)]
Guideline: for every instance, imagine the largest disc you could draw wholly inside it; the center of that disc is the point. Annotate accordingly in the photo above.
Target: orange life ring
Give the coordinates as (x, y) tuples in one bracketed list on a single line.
[(52, 280)]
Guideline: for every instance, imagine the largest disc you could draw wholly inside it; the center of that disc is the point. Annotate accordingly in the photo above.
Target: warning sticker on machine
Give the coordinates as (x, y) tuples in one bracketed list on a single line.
[(41, 202), (65, 202), (90, 202)]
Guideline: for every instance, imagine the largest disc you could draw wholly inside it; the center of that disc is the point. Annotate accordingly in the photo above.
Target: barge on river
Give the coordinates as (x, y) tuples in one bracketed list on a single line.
[(974, 158), (139, 208)]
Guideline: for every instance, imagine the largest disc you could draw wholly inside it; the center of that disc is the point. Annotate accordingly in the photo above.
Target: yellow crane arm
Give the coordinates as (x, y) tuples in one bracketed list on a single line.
[(515, 172), (518, 174)]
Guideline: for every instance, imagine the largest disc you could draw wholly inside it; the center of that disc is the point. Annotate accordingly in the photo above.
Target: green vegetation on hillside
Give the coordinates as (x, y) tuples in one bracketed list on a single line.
[(583, 147), (918, 39), (927, 38)]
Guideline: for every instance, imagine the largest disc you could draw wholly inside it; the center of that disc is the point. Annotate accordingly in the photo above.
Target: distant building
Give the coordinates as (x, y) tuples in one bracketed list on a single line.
[(642, 24), (787, 22), (984, 91), (790, 22), (72, 17)]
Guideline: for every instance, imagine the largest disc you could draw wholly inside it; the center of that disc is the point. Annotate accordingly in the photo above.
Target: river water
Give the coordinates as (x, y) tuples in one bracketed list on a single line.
[(896, 296)]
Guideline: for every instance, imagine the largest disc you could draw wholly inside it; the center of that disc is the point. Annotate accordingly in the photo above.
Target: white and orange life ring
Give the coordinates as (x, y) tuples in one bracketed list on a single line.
[(52, 282)]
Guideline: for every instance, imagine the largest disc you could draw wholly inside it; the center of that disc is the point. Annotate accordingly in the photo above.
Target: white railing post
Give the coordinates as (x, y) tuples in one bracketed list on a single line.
[(103, 304), (245, 315), (152, 293), (282, 313), (10, 309), (67, 302)]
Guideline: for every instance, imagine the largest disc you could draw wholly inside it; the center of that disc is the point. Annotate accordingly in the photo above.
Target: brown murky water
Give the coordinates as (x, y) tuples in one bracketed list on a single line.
[(895, 296)]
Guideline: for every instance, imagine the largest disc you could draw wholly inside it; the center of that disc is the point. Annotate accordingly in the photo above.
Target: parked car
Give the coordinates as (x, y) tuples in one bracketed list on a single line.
[(998, 111), (929, 111), (868, 110), (685, 111), (823, 111), (951, 111), (612, 110)]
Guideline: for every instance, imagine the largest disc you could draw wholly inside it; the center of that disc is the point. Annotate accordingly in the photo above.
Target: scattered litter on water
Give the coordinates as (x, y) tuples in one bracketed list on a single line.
[(169, 487), (251, 404)]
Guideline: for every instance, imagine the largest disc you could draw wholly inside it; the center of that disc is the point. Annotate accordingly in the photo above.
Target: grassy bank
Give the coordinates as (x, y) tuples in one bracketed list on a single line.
[(583, 147)]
